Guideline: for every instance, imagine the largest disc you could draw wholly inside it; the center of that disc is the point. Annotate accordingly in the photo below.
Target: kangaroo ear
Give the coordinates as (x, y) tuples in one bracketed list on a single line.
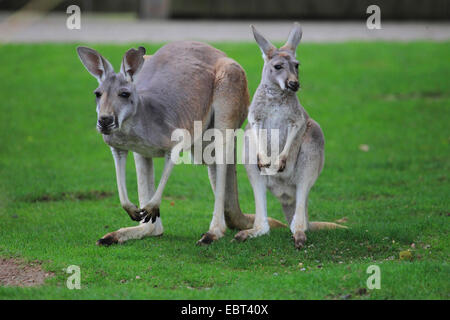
[(266, 47), (93, 61), (294, 38), (132, 62)]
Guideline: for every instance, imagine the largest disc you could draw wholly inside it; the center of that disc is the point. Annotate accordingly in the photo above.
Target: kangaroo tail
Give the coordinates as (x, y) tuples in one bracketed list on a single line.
[(273, 223), (313, 225), (319, 225)]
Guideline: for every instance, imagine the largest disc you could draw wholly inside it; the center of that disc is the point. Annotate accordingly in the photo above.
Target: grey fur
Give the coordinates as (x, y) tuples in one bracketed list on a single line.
[(181, 83), (289, 175)]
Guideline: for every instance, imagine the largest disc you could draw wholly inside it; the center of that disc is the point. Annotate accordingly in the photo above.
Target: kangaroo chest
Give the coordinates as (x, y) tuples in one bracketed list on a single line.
[(276, 122), (130, 142), (275, 117)]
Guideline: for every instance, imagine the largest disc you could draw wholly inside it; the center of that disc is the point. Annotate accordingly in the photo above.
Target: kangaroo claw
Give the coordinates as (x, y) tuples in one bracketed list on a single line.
[(151, 214)]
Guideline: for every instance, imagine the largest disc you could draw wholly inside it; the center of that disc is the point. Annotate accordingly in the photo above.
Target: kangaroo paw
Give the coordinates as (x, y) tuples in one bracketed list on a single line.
[(150, 214), (133, 211), (262, 161), (282, 164), (299, 239)]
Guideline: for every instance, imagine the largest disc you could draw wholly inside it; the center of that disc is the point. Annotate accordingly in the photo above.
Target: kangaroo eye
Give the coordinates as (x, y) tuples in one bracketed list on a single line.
[(278, 66), (98, 94), (124, 94), (296, 66)]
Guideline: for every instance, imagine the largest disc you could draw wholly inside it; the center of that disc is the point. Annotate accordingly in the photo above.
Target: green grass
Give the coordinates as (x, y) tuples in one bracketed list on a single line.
[(393, 97)]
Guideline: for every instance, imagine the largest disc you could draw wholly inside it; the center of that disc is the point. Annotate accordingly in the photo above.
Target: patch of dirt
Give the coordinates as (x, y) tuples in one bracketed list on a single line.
[(14, 272), (72, 196)]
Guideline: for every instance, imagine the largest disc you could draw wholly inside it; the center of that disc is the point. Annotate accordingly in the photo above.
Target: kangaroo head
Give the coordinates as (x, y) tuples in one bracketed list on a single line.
[(280, 65), (116, 95)]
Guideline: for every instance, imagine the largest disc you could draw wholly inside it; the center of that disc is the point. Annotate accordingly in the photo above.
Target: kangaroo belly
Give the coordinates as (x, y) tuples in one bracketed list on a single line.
[(283, 190)]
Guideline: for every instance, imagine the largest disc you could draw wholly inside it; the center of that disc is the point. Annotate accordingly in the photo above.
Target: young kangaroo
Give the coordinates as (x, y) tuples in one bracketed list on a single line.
[(289, 175)]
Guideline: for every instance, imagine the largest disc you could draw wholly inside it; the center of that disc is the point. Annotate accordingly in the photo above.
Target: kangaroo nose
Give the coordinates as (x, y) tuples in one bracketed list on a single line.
[(293, 85), (105, 121)]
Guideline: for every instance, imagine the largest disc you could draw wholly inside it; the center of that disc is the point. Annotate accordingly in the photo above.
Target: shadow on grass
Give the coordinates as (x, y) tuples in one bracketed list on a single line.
[(70, 196), (277, 249)]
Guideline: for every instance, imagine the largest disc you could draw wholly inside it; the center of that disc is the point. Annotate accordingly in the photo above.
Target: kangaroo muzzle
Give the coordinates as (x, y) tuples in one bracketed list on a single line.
[(293, 85), (106, 124)]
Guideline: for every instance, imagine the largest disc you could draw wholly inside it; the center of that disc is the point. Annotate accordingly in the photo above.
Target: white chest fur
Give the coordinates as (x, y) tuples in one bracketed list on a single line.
[(133, 143), (277, 114)]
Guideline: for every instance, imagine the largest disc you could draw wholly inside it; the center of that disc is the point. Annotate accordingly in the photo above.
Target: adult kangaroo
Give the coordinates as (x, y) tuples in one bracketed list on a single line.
[(138, 109)]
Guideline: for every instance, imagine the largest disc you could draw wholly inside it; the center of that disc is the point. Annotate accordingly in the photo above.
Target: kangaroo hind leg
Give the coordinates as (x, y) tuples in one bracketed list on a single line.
[(230, 107), (261, 223), (309, 165)]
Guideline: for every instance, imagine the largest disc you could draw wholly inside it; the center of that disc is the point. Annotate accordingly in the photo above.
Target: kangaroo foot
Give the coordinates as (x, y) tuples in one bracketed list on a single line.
[(252, 233), (206, 239), (108, 239), (299, 239), (241, 236)]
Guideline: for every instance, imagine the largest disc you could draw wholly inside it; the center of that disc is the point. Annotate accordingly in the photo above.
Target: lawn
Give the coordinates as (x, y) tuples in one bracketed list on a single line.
[(58, 192)]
